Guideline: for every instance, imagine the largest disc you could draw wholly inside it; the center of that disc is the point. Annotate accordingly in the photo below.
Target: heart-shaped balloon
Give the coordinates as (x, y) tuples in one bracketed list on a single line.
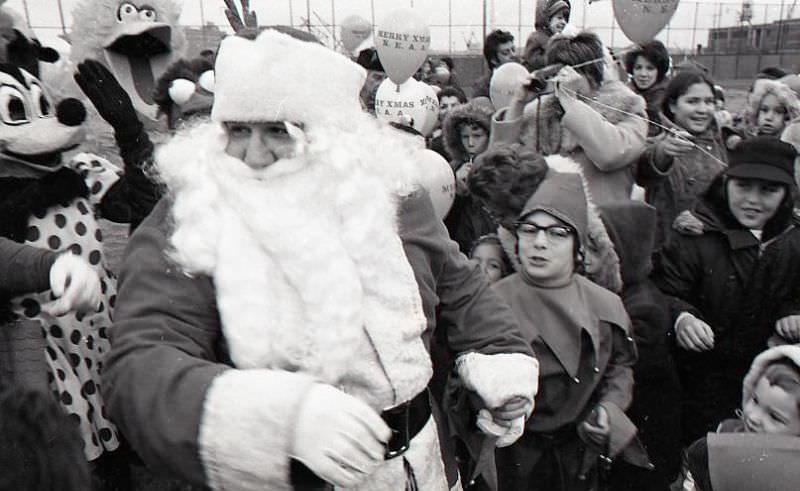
[(411, 104), (641, 20), (402, 40)]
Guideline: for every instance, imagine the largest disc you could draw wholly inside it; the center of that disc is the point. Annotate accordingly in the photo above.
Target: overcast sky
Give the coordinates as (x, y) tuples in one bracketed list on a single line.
[(452, 22)]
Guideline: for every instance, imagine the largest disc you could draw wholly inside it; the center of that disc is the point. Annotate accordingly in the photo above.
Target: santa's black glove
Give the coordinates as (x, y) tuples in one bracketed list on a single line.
[(107, 95)]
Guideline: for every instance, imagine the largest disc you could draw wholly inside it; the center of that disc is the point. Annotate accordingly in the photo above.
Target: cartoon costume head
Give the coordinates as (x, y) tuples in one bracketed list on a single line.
[(136, 39)]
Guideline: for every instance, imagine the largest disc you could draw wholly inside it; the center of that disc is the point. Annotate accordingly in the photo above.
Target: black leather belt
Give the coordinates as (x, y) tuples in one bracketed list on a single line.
[(406, 420)]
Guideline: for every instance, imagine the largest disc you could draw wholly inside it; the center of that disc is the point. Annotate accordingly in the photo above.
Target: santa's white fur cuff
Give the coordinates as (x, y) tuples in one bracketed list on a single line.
[(247, 428), (497, 378)]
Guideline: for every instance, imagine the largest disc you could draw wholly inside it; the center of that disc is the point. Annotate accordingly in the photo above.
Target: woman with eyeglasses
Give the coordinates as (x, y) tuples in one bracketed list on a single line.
[(581, 335)]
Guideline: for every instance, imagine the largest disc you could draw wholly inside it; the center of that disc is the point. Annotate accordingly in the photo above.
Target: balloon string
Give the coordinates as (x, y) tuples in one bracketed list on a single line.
[(671, 131)]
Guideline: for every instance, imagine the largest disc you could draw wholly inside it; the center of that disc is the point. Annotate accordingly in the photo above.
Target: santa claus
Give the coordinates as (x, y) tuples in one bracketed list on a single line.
[(274, 309)]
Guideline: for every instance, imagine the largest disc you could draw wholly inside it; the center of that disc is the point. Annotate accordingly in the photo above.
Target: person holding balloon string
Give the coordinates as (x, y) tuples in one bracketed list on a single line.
[(679, 164), (599, 123)]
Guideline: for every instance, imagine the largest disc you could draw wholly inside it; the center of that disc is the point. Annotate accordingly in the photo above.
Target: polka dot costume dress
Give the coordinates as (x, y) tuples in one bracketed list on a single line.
[(76, 343)]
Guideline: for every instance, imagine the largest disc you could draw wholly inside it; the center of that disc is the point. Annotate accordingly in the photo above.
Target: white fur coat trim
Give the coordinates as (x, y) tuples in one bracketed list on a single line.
[(247, 428), (305, 257), (499, 377), (789, 351)]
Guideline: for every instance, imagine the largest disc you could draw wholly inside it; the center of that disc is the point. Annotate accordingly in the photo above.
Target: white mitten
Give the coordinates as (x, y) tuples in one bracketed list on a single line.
[(339, 437), (75, 285), (506, 434)]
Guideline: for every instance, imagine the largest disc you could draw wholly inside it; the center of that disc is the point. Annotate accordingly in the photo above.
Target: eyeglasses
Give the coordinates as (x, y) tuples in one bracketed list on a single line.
[(554, 233)]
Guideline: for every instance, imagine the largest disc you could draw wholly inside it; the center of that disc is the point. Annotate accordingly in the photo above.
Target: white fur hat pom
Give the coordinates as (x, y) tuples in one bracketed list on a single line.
[(279, 78)]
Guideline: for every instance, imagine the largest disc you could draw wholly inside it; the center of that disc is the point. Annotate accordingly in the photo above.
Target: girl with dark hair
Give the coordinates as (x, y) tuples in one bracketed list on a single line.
[(679, 164), (599, 123), (736, 284), (648, 66)]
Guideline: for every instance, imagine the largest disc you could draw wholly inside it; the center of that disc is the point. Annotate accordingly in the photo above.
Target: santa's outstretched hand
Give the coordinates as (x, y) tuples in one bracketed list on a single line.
[(75, 285)]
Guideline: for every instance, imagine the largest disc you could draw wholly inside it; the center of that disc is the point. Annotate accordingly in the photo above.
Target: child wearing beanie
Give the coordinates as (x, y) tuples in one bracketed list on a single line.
[(736, 284), (581, 335), (733, 457)]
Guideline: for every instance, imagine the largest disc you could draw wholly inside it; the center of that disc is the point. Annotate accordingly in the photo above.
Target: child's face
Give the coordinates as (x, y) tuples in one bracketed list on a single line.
[(558, 22), (771, 116), (771, 410), (694, 109), (474, 139), (546, 249), (754, 201), (645, 73), (490, 258)]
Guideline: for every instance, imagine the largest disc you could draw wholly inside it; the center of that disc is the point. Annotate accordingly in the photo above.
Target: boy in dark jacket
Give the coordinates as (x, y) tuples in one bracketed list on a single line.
[(736, 284)]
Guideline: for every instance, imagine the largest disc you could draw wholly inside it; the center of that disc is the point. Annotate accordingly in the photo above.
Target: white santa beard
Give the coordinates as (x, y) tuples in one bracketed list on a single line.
[(302, 263)]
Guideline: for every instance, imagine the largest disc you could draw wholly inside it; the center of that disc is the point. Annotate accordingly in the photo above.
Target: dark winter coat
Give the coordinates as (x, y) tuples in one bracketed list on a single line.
[(631, 226), (652, 98), (170, 346), (739, 286), (672, 184), (467, 219), (533, 56)]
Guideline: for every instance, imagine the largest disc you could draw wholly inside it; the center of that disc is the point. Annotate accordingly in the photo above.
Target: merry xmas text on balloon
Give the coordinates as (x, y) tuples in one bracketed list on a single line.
[(415, 42)]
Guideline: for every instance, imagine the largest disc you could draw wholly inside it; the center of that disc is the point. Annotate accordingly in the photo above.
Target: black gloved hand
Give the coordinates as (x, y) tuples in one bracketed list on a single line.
[(107, 95)]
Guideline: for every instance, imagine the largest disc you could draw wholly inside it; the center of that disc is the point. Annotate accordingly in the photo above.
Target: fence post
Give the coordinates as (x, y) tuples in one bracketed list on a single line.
[(780, 28), (450, 26), (694, 28), (333, 23)]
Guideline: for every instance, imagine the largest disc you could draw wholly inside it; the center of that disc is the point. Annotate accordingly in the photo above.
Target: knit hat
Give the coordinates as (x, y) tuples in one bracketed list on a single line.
[(763, 157), (279, 78), (561, 195)]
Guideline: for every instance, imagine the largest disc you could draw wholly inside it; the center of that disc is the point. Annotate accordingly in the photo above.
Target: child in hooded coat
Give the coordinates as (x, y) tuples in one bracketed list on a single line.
[(631, 226), (737, 283), (466, 134), (770, 108), (551, 18), (771, 419)]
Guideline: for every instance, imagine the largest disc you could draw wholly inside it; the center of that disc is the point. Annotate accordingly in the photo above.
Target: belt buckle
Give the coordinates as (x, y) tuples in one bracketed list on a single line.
[(397, 420)]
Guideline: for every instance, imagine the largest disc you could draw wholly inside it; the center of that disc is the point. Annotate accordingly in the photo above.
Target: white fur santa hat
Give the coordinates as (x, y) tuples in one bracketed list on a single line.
[(279, 78)]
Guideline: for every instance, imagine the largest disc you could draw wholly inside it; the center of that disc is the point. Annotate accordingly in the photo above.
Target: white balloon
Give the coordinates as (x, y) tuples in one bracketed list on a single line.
[(431, 103), (505, 79), (437, 177), (403, 104)]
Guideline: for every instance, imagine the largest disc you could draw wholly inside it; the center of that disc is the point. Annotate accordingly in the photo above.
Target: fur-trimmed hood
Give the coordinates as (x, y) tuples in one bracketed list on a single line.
[(466, 113), (608, 276), (786, 97), (541, 126), (787, 352), (546, 9)]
